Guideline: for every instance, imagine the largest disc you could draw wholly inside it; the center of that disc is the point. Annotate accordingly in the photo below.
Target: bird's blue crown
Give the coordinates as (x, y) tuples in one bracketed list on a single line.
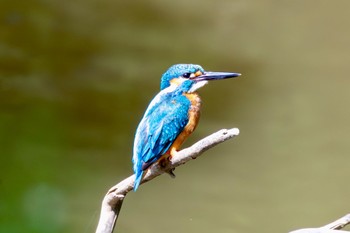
[(176, 71)]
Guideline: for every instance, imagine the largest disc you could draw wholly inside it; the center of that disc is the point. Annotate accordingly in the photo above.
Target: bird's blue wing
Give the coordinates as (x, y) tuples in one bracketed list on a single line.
[(158, 129)]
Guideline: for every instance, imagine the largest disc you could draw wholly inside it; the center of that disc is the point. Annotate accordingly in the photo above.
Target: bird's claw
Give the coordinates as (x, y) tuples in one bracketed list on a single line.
[(171, 173)]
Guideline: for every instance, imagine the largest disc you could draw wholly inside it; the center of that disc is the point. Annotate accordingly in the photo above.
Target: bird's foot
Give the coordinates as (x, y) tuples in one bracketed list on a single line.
[(164, 164), (171, 173)]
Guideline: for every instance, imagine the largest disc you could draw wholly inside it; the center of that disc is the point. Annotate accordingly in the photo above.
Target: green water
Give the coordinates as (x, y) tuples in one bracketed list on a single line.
[(76, 77)]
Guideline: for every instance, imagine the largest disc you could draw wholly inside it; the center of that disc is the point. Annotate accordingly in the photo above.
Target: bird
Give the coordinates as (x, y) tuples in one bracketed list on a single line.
[(171, 116)]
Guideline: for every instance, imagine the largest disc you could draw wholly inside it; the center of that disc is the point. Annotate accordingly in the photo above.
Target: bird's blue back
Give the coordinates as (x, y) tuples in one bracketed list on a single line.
[(164, 120)]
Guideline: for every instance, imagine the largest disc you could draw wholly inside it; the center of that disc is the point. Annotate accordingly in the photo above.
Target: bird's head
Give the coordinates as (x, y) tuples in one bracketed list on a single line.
[(194, 75)]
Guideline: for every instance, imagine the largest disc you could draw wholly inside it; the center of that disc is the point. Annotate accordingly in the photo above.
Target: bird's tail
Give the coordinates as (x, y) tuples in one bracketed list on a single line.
[(138, 179)]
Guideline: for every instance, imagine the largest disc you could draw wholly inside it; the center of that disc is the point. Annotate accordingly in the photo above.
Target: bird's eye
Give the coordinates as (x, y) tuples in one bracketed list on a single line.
[(186, 75)]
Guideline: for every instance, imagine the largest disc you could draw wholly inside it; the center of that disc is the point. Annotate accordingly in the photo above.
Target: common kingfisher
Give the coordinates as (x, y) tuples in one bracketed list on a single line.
[(172, 115)]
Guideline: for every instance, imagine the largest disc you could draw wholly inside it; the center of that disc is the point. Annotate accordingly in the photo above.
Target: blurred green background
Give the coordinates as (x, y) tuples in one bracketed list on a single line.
[(76, 77)]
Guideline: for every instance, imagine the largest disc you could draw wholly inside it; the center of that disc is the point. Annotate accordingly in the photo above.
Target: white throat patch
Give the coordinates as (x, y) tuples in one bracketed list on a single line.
[(197, 85)]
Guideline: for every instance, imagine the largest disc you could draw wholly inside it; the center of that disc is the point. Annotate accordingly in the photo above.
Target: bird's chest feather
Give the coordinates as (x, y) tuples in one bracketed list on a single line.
[(193, 114), (194, 111)]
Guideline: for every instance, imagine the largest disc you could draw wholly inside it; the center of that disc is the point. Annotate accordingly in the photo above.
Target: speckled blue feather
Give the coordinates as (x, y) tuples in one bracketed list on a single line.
[(176, 71), (164, 120)]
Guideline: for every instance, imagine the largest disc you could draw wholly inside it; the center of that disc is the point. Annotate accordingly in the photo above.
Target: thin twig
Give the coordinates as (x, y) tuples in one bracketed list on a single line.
[(113, 200)]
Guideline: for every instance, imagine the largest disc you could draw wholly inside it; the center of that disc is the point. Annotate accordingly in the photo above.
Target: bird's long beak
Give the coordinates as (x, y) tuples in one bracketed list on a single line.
[(208, 75)]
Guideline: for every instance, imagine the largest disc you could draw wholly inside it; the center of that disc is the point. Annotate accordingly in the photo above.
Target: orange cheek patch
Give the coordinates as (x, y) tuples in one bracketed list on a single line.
[(198, 73)]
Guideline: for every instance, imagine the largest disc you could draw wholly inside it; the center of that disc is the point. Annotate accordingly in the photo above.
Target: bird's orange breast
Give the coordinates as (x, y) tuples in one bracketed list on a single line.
[(193, 119)]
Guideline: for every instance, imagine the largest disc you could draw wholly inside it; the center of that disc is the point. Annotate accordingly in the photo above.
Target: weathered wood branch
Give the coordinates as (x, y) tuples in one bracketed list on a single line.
[(113, 200), (333, 227)]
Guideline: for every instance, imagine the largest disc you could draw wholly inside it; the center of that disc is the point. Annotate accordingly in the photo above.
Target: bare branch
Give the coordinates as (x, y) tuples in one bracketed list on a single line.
[(333, 227), (113, 200)]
